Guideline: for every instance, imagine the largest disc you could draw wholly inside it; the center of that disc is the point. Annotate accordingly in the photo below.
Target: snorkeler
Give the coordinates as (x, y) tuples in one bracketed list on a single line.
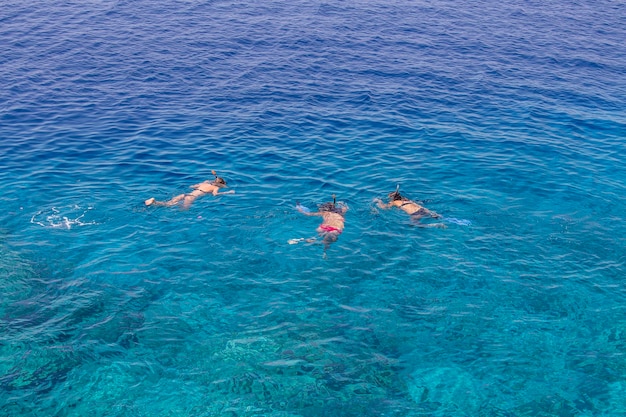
[(332, 221), (413, 209), (206, 187)]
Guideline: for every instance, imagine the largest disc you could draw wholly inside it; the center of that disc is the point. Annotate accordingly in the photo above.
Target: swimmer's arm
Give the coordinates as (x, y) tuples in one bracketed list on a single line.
[(382, 205), (309, 213), (215, 192)]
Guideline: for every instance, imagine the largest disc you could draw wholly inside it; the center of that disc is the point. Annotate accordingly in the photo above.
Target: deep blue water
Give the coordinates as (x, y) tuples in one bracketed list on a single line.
[(508, 115)]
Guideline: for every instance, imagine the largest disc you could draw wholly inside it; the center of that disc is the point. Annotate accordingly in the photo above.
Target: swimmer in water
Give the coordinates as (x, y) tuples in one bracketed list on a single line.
[(413, 209), (205, 187), (332, 221)]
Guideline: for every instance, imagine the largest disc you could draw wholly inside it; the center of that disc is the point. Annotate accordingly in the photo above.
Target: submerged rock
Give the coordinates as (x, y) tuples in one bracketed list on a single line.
[(445, 389)]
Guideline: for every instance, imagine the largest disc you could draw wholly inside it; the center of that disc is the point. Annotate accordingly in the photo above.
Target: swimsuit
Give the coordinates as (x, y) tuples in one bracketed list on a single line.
[(330, 229), (197, 189), (420, 212)]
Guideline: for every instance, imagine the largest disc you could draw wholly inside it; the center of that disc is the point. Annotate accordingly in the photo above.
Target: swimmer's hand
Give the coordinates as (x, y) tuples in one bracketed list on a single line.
[(301, 208), (380, 203)]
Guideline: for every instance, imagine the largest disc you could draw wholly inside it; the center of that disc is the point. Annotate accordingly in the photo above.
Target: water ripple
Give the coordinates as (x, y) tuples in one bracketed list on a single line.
[(513, 135)]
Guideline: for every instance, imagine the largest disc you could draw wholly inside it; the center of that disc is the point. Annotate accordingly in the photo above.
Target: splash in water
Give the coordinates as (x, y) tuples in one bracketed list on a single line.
[(62, 217)]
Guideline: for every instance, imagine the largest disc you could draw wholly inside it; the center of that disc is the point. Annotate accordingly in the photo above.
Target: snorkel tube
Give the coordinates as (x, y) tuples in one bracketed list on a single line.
[(332, 207), (339, 207), (220, 182), (395, 195)]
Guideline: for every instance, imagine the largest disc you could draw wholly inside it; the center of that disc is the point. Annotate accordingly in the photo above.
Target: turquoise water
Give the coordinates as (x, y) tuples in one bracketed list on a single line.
[(508, 116)]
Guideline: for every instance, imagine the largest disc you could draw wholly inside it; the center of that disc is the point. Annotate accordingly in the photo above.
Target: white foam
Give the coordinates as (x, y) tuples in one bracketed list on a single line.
[(62, 217)]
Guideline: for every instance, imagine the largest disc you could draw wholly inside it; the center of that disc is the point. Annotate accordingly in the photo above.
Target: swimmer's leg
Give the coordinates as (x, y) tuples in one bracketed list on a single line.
[(434, 215), (311, 239), (436, 225), (172, 202), (415, 221), (328, 238), (427, 225), (188, 200), (175, 200)]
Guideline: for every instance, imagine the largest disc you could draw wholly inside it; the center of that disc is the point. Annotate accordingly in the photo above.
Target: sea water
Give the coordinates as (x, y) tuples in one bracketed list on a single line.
[(505, 117)]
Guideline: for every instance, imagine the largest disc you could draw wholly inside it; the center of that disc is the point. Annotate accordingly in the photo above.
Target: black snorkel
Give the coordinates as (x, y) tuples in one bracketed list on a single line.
[(219, 182), (331, 207)]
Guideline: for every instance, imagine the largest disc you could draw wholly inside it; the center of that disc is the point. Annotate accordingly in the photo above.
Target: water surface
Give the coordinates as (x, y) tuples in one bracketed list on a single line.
[(505, 117)]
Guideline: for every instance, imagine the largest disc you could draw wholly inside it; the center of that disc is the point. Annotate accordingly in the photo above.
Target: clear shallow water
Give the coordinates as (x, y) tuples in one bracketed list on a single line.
[(507, 115)]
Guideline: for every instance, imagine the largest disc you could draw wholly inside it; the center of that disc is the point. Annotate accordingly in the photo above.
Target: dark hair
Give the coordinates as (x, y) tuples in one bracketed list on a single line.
[(219, 181), (331, 207), (395, 195)]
